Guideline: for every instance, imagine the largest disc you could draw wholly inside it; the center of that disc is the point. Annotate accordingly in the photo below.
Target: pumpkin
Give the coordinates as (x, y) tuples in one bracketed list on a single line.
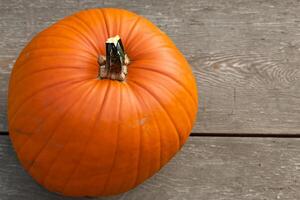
[(99, 102)]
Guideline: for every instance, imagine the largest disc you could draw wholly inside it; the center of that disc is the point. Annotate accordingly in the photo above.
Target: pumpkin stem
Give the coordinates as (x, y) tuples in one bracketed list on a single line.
[(114, 65)]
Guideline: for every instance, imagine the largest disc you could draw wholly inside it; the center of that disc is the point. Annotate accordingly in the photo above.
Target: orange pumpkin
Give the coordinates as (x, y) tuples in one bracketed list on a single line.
[(83, 124)]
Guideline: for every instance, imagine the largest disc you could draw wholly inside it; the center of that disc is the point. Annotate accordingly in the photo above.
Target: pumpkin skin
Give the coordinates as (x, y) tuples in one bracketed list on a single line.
[(80, 136)]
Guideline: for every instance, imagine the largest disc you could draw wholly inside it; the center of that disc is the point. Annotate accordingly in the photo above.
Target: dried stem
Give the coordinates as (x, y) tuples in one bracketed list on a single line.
[(114, 65)]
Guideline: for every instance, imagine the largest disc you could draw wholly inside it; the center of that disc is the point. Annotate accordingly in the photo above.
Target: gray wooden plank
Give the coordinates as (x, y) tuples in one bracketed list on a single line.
[(245, 55), (207, 168)]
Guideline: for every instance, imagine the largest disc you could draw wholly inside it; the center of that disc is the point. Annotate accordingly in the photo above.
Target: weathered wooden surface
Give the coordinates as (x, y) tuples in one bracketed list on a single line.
[(245, 54), (207, 168)]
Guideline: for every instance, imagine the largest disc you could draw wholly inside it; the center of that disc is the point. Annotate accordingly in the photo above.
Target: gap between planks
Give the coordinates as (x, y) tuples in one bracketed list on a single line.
[(250, 135)]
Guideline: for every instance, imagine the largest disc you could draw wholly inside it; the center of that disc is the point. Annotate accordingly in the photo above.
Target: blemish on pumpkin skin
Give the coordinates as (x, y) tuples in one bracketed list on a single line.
[(134, 123), (142, 121)]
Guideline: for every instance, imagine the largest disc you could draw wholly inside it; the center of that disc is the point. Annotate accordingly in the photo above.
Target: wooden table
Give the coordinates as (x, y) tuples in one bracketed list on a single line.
[(246, 57)]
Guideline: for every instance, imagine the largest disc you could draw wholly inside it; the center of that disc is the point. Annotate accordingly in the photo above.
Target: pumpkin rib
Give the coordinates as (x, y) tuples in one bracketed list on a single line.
[(82, 21), (22, 77), (64, 37), (20, 66), (185, 71), (42, 89), (99, 30), (100, 14), (159, 132), (88, 72), (131, 95), (188, 115), (62, 117), (148, 51), (163, 108), (163, 87), (49, 56), (143, 101), (165, 59), (49, 38), (28, 168), (157, 54), (105, 22), (90, 26), (120, 28), (134, 25), (19, 149), (53, 68), (61, 53), (93, 27), (86, 49), (117, 144), (173, 78), (82, 97), (139, 151), (104, 185), (140, 148), (75, 31), (61, 48), (71, 79), (135, 108), (90, 137), (171, 53), (99, 118)]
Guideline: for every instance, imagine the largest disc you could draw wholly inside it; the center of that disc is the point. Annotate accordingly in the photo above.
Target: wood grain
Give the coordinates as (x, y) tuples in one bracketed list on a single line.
[(207, 168), (245, 55)]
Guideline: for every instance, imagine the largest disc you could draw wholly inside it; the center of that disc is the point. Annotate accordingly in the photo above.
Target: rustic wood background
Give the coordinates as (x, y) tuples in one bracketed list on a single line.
[(246, 57)]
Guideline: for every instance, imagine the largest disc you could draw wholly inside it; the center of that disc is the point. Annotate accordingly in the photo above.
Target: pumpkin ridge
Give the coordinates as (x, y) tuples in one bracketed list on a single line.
[(89, 139), (174, 79), (149, 50), (105, 22), (89, 92), (20, 66), (62, 117), (131, 94), (188, 115), (52, 68), (19, 149), (37, 154), (185, 71), (117, 143), (73, 39), (141, 99), (128, 37), (99, 12), (42, 89), (139, 152), (163, 108), (158, 128), (134, 106), (75, 31), (60, 48), (157, 54), (78, 18)]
